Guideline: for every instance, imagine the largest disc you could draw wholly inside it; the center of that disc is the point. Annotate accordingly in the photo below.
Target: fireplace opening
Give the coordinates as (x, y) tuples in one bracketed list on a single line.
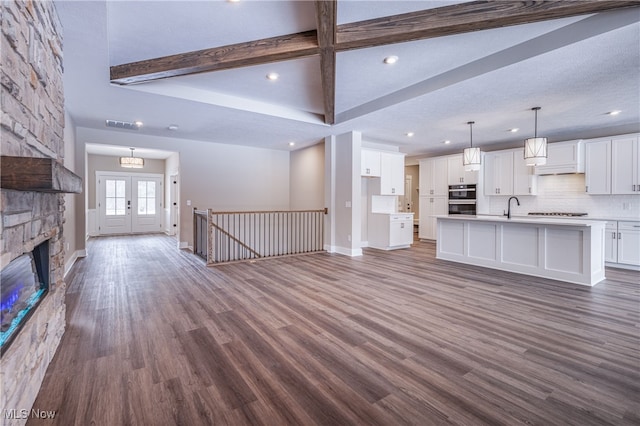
[(24, 283)]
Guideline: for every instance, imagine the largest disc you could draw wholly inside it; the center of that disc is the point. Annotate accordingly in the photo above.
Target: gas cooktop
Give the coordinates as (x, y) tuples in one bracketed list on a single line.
[(556, 214)]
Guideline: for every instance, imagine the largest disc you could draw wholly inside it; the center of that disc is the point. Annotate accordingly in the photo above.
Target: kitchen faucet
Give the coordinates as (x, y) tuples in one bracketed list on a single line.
[(508, 213)]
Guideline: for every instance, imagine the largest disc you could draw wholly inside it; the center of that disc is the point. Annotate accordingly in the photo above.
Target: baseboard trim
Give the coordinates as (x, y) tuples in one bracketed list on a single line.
[(348, 252), (76, 255)]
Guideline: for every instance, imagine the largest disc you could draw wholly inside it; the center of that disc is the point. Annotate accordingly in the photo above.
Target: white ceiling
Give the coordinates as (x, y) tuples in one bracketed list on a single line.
[(577, 69)]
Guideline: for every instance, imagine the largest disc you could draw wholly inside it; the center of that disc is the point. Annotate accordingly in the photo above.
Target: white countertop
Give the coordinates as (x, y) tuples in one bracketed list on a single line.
[(544, 220)]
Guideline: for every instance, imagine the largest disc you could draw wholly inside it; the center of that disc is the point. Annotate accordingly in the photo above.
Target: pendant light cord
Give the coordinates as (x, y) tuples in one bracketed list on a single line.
[(470, 123)]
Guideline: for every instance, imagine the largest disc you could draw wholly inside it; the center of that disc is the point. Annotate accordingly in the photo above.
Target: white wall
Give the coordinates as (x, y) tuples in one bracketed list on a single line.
[(171, 168), (565, 193), (306, 178), (71, 251), (347, 194), (218, 176)]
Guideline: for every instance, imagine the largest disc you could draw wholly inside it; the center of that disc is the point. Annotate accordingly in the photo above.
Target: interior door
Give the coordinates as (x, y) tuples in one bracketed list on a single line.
[(114, 204)]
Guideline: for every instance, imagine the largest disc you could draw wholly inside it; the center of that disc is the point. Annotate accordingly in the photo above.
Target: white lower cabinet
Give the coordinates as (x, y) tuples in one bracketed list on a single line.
[(390, 231), (622, 243), (611, 242), (629, 243), (430, 207)]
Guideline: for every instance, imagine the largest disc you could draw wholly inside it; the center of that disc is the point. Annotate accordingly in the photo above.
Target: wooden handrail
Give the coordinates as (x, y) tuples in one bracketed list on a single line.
[(272, 211)]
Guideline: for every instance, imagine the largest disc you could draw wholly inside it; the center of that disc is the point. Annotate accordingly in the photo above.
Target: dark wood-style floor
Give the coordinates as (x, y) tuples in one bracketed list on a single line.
[(391, 338)]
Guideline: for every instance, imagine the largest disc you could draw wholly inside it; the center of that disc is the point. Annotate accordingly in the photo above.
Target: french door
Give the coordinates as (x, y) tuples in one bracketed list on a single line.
[(129, 203)]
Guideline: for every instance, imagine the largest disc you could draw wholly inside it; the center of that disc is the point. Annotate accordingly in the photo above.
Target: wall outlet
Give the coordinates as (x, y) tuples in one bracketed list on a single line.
[(625, 206), (66, 246), (188, 202), (347, 204), (349, 237)]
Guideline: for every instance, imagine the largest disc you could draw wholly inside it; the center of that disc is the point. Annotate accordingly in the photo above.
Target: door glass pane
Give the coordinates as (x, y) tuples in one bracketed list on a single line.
[(146, 197), (111, 188), (115, 197), (120, 208)]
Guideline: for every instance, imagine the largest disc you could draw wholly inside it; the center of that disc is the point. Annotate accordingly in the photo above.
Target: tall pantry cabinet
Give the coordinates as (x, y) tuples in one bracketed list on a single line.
[(434, 191)]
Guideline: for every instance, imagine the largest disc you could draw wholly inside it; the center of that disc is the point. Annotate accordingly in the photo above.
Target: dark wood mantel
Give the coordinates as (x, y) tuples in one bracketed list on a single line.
[(37, 174)]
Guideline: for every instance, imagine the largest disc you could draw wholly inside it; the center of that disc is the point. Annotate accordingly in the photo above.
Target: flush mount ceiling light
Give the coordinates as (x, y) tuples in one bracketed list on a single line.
[(471, 155), (390, 60), (273, 76), (173, 127), (614, 112), (409, 134), (292, 143), (132, 162), (535, 148), (514, 130), (123, 124), (447, 142)]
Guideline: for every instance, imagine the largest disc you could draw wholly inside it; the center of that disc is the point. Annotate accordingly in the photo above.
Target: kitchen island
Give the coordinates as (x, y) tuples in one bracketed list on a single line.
[(569, 250)]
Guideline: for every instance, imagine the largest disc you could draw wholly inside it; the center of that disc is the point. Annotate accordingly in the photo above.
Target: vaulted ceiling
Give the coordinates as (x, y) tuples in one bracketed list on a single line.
[(202, 66)]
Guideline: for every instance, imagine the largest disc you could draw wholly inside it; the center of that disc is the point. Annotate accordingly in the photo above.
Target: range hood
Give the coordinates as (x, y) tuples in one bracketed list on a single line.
[(563, 158)]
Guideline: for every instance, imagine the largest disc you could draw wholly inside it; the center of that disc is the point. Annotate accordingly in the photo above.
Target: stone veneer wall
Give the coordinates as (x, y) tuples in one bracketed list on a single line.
[(31, 125)]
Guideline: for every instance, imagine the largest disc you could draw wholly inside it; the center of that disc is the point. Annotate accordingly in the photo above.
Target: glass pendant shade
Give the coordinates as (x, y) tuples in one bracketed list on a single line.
[(471, 156), (471, 159), (535, 151), (132, 162), (535, 148)]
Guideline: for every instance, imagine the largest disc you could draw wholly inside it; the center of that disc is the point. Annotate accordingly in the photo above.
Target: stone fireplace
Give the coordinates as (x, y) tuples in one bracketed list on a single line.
[(32, 190)]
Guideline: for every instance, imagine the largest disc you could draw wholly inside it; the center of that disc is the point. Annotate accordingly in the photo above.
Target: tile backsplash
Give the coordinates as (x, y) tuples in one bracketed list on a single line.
[(565, 193)]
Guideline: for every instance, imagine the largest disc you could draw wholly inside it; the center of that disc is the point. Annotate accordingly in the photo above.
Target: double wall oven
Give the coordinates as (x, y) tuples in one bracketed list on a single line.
[(462, 199)]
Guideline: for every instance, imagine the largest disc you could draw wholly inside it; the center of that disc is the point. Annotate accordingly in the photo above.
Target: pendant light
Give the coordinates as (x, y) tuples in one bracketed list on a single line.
[(535, 148), (471, 155), (132, 162)]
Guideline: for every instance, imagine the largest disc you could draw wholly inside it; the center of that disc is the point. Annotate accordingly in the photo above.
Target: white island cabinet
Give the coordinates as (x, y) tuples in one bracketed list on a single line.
[(560, 249)]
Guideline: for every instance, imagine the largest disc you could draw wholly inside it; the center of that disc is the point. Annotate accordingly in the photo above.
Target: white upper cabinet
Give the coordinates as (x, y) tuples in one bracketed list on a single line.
[(498, 173), (506, 173), (597, 176), (456, 173), (433, 177), (563, 157), (524, 178), (370, 163), (612, 166), (624, 161), (392, 173)]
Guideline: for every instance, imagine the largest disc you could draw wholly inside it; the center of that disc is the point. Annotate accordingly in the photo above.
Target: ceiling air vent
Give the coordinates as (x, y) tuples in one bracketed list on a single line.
[(122, 125)]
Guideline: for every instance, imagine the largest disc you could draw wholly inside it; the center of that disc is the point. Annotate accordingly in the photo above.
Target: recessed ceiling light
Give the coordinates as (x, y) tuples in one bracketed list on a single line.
[(390, 60), (515, 129), (447, 142), (273, 76), (138, 123), (410, 134), (292, 143), (233, 1), (614, 112), (173, 127)]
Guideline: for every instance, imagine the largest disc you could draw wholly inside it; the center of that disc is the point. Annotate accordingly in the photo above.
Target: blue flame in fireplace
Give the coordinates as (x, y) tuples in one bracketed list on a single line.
[(8, 304)]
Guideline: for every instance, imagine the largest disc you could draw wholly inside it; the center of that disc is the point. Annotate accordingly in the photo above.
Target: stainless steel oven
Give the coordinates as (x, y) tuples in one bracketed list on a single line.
[(466, 207), (462, 199), (462, 192)]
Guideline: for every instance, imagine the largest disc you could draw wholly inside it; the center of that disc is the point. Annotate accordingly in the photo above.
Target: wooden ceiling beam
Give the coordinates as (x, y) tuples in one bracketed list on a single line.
[(280, 48), (326, 23), (463, 18)]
